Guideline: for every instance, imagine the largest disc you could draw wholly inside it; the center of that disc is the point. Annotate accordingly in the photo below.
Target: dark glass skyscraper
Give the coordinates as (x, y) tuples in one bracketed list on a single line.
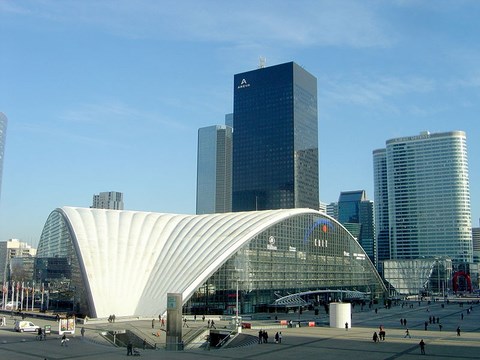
[(275, 143), (355, 212)]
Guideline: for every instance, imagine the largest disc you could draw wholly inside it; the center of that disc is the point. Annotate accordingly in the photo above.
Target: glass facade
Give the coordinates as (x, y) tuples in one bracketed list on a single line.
[(57, 267), (275, 147), (214, 170), (419, 276), (303, 253), (355, 212)]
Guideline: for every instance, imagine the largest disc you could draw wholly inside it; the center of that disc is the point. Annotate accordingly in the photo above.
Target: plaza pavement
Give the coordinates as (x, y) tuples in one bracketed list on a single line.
[(320, 342)]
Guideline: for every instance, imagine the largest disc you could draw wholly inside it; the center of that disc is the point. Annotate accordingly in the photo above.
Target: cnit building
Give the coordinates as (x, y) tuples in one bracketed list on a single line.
[(273, 245)]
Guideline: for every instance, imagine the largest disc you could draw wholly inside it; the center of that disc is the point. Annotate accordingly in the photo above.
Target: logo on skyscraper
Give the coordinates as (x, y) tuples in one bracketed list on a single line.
[(243, 84)]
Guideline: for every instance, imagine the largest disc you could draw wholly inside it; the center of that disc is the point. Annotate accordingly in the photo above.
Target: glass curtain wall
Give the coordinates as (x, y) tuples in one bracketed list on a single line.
[(303, 253)]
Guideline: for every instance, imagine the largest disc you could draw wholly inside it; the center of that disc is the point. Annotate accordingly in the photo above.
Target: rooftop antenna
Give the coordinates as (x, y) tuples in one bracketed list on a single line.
[(262, 62)]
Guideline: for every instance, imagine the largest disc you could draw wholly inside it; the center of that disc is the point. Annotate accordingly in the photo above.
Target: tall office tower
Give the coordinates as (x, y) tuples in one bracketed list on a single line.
[(381, 207), (108, 200), (214, 170), (275, 147), (229, 120), (428, 197), (355, 212), (476, 244), (3, 134)]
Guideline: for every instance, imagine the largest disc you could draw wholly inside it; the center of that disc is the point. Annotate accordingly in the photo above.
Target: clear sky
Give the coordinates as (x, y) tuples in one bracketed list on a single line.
[(108, 95)]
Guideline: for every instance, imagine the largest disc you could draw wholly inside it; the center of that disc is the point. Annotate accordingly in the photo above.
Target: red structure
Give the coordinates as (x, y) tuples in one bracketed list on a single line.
[(455, 280)]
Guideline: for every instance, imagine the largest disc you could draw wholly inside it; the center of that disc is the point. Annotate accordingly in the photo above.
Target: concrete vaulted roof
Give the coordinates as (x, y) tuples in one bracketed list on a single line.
[(130, 260)]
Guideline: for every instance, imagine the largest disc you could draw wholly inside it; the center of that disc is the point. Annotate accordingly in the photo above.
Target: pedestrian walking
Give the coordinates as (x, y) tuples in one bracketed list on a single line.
[(82, 331), (129, 349), (407, 334), (64, 340), (260, 336), (280, 337), (276, 337), (422, 347), (375, 337), (212, 324), (153, 323), (346, 326), (144, 343), (458, 330)]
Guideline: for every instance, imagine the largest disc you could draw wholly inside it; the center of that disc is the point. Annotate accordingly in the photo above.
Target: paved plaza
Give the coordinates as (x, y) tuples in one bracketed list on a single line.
[(320, 342)]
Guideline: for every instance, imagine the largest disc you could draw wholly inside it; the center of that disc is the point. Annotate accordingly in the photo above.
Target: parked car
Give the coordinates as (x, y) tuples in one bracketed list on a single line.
[(11, 305), (23, 325)]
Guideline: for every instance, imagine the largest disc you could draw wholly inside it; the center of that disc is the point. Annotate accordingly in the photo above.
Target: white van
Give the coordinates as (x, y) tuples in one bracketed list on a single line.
[(24, 325), (12, 305)]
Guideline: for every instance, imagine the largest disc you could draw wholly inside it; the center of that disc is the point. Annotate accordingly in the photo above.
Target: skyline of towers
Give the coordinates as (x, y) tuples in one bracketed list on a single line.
[(3, 134), (421, 182), (214, 170), (275, 142)]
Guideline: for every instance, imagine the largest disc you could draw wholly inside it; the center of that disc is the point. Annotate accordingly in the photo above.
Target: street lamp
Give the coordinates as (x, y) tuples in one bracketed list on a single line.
[(237, 323)]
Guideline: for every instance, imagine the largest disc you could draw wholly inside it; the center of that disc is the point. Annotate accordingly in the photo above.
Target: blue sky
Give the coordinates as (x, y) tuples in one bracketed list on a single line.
[(108, 95)]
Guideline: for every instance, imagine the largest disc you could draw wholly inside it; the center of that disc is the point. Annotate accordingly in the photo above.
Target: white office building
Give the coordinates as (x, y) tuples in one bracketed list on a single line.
[(9, 250), (428, 196), (112, 200)]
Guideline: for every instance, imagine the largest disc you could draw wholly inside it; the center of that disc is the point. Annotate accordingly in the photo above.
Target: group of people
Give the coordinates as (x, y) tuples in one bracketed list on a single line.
[(262, 337), (278, 337), (380, 335), (211, 324), (111, 318)]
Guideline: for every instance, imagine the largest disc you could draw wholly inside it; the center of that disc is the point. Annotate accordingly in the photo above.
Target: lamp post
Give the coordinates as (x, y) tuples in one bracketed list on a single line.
[(237, 322), (236, 309)]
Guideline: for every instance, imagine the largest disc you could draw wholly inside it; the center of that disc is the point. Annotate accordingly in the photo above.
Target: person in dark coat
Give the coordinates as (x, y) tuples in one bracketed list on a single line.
[(422, 346)]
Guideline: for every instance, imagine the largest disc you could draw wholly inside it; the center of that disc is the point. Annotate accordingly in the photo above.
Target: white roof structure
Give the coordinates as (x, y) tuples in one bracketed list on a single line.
[(130, 260)]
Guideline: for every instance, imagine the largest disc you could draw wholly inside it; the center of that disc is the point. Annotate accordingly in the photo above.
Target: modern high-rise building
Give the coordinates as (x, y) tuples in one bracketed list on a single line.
[(229, 120), (214, 170), (332, 210), (355, 212), (380, 196), (3, 133), (108, 200), (476, 244), (428, 196), (275, 145)]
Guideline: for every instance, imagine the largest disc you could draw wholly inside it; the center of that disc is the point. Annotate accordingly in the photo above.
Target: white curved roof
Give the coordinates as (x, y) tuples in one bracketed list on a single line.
[(132, 259)]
